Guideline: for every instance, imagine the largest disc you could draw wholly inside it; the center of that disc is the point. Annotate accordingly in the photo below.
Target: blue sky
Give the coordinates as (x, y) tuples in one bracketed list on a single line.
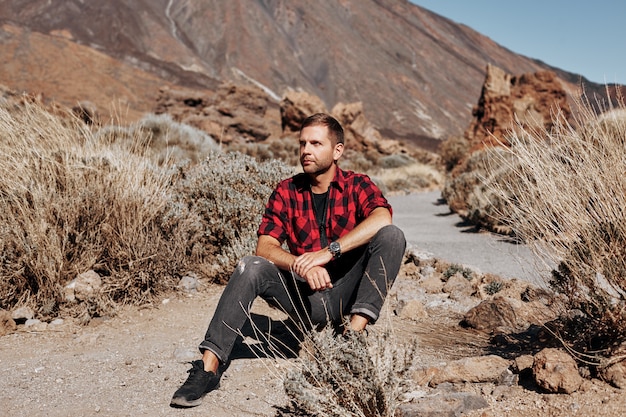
[(583, 37)]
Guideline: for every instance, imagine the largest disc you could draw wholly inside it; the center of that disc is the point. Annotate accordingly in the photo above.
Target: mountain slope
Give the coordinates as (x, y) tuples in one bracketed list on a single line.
[(418, 74)]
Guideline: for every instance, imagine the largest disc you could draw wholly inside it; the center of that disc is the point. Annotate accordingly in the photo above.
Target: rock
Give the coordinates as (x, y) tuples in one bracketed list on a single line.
[(458, 287), (475, 369), (615, 374), (68, 291), (507, 314), (57, 322), (189, 283), (556, 372), (87, 285), (432, 284), (529, 98), (35, 325), (22, 314), (7, 324), (447, 404), (296, 106), (505, 100), (235, 112), (523, 362), (411, 309)]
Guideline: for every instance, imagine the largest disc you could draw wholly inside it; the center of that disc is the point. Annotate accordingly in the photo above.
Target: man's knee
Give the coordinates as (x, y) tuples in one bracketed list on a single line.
[(391, 235), (253, 267)]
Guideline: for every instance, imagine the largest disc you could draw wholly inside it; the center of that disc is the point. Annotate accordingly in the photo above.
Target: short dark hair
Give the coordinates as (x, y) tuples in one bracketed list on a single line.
[(335, 131)]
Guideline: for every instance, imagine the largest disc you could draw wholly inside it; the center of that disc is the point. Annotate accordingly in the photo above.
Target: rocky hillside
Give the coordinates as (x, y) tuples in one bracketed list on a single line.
[(417, 74)]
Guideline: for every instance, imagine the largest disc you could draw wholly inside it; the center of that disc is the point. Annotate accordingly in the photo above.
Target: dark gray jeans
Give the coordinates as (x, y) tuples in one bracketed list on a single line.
[(361, 279)]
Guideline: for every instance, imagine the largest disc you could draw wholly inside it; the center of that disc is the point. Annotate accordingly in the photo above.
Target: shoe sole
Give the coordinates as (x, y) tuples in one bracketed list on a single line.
[(181, 402)]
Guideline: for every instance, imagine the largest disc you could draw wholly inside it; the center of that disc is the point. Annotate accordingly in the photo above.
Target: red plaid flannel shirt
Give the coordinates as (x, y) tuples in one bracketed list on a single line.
[(290, 216)]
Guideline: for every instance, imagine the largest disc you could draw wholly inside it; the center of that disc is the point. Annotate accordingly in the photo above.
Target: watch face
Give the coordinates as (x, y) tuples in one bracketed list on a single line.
[(334, 248)]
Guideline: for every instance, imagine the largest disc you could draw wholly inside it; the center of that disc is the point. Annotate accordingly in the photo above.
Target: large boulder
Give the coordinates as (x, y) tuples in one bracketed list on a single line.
[(234, 113), (506, 103), (506, 100), (296, 106)]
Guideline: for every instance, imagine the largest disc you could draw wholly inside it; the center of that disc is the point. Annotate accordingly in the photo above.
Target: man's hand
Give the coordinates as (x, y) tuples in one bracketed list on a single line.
[(318, 278), (310, 266)]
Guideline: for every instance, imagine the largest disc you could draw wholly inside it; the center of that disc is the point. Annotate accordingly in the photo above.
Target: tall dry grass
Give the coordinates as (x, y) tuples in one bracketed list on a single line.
[(70, 203), (565, 195)]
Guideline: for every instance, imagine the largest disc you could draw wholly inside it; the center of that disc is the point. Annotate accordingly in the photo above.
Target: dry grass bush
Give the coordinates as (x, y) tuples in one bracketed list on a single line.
[(349, 375), (408, 178), (71, 203), (285, 149), (472, 193), (161, 138), (221, 200), (565, 196), (453, 150)]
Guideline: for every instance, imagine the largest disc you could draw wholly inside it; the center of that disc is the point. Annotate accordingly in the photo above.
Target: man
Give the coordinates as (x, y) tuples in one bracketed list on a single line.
[(344, 254)]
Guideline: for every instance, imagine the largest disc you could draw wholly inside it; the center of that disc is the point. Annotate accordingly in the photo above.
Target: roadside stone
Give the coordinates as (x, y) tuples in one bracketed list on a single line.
[(35, 325), (57, 322), (442, 404), (432, 284), (507, 314), (615, 374), (458, 287), (189, 283), (22, 314), (523, 362), (556, 372), (475, 369), (7, 324), (87, 285), (411, 309)]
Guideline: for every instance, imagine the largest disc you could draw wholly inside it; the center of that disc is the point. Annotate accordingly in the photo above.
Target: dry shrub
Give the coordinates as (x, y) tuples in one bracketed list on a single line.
[(565, 195), (71, 203), (221, 201), (349, 375), (409, 178), (160, 138), (453, 150), (476, 193), (285, 149)]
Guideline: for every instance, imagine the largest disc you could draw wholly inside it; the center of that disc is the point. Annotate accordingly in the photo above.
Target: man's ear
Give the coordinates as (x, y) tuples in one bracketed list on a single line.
[(338, 151)]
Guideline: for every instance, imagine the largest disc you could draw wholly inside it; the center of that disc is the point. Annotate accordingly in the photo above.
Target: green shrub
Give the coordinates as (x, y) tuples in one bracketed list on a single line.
[(456, 268)]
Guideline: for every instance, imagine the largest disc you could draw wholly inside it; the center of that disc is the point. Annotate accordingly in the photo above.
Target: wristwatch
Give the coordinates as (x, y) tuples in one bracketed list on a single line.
[(335, 249)]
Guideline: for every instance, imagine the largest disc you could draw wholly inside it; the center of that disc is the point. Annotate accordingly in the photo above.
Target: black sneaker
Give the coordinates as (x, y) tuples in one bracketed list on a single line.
[(196, 386)]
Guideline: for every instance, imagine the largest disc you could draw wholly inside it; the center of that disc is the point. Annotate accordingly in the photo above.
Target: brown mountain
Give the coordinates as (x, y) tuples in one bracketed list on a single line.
[(418, 74)]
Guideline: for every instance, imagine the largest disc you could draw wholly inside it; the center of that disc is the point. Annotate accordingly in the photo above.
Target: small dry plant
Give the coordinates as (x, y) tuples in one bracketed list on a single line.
[(348, 375), (565, 195)]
